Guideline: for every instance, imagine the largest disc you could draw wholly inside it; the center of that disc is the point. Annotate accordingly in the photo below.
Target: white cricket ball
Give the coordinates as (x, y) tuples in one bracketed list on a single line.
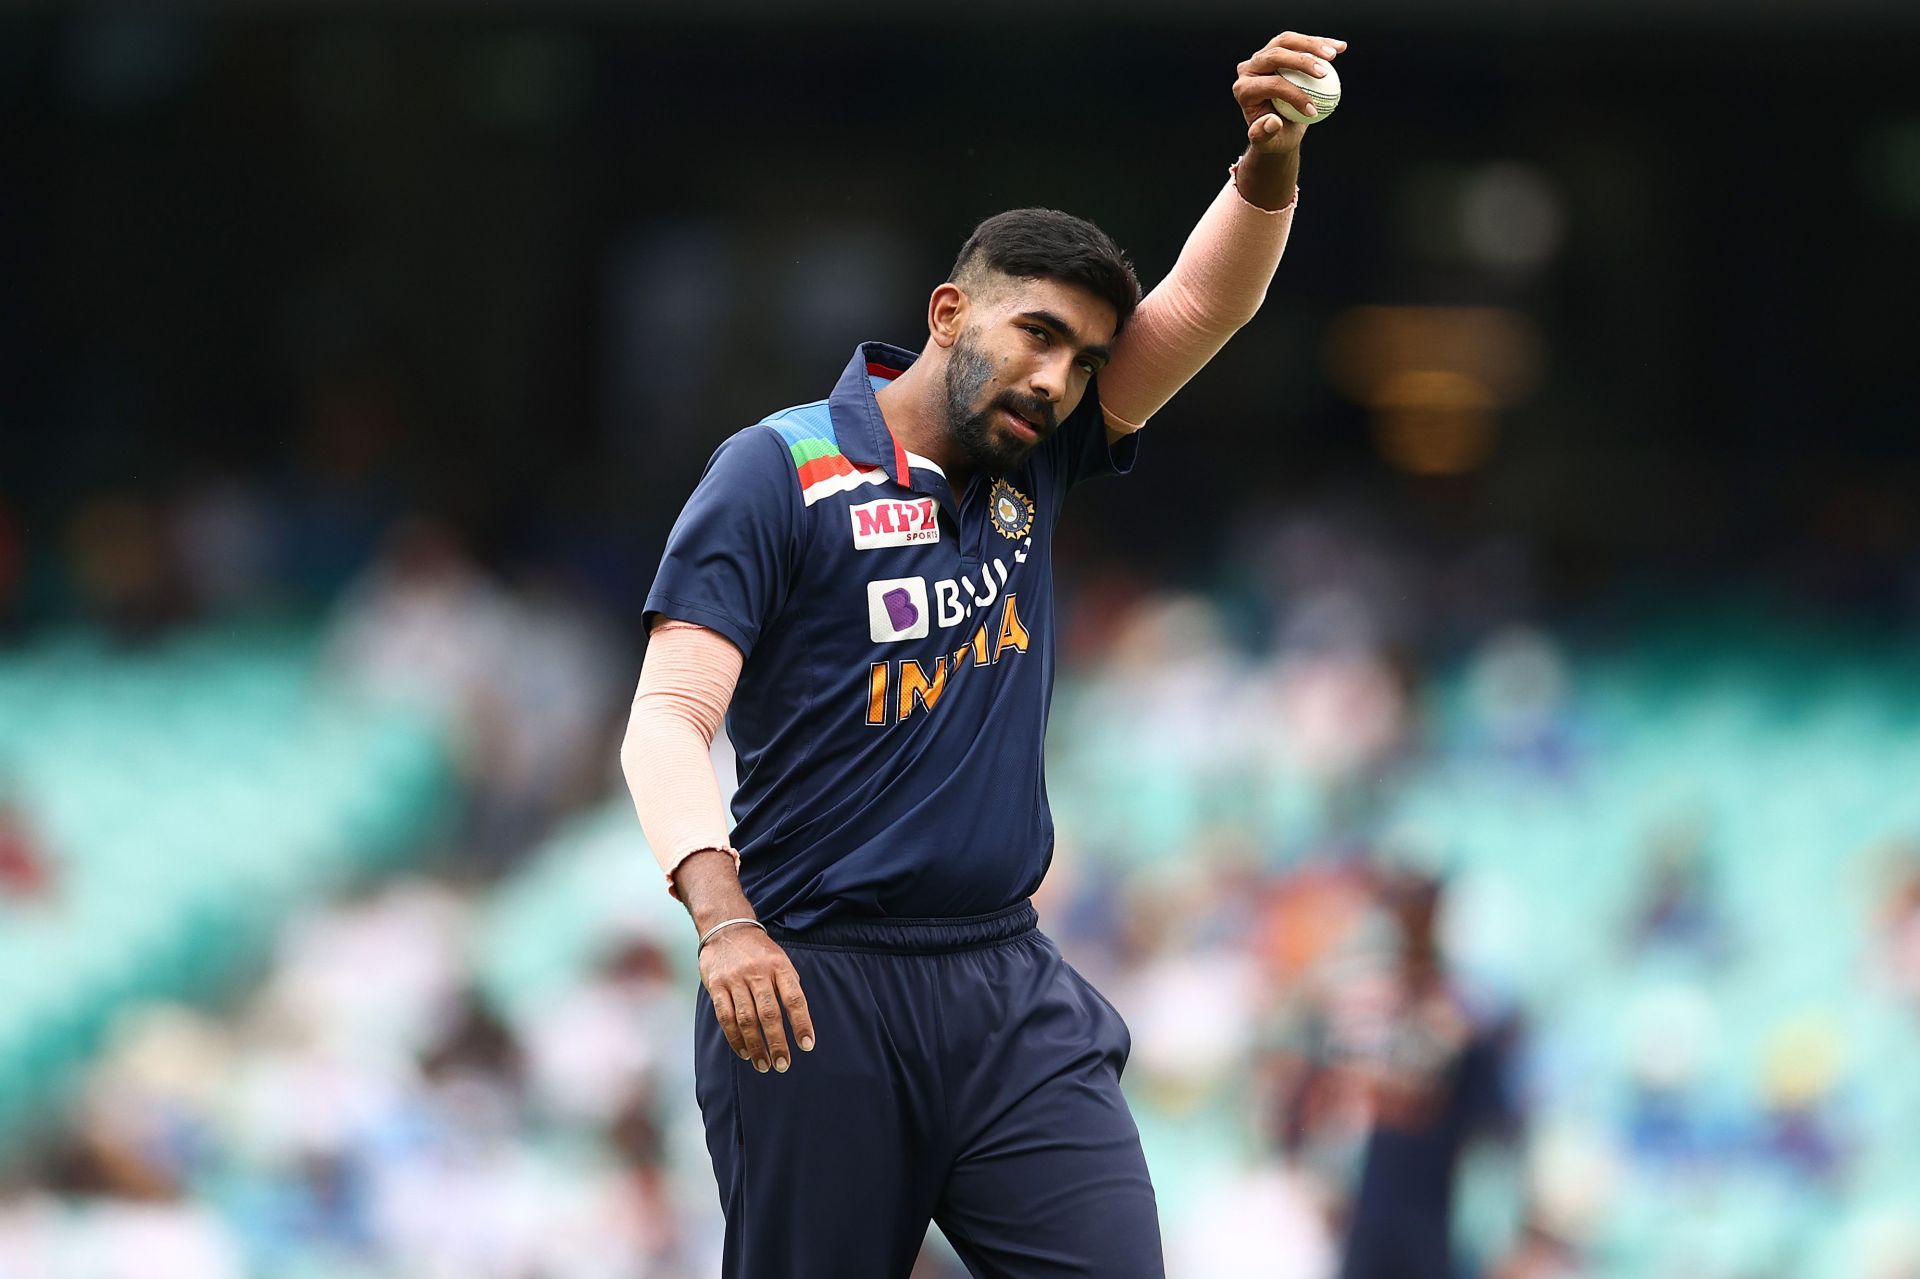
[(1322, 91)]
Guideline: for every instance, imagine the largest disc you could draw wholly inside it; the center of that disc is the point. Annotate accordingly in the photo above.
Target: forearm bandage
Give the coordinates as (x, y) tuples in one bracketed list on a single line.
[(685, 685), (1215, 287)]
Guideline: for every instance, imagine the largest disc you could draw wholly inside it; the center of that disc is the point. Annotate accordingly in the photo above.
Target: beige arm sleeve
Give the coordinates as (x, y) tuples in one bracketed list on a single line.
[(685, 685), (1215, 287)]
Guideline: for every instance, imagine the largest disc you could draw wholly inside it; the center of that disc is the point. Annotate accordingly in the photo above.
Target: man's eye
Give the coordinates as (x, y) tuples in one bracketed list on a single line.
[(1087, 367), (1038, 332)]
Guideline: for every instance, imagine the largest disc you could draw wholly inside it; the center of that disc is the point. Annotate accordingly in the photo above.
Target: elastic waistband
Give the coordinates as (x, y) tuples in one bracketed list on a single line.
[(915, 936)]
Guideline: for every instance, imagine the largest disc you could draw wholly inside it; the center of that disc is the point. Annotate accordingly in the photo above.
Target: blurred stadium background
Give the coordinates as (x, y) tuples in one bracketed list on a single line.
[(1487, 753)]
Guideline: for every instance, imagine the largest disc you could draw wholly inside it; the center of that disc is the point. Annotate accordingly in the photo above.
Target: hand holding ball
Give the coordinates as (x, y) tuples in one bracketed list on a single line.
[(1322, 91), (1272, 106)]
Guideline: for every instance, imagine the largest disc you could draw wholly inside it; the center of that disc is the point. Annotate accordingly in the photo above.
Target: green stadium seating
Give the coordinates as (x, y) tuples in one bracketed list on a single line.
[(190, 797)]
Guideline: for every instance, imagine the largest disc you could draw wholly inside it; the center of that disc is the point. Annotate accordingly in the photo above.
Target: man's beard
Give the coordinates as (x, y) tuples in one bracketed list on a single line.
[(968, 372)]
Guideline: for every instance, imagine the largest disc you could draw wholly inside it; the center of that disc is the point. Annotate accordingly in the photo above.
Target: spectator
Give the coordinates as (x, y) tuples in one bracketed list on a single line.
[(1799, 1130), (1898, 925), (555, 710), (426, 624), (1437, 1072), (223, 532), (123, 569), (1678, 913), (1518, 686), (1538, 1255), (25, 872)]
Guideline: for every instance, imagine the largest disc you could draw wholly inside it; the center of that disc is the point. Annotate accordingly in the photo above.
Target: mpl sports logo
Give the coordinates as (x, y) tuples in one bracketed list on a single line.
[(895, 522)]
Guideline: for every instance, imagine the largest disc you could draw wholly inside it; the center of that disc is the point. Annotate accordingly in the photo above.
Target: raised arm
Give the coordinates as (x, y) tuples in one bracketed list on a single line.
[(1222, 273)]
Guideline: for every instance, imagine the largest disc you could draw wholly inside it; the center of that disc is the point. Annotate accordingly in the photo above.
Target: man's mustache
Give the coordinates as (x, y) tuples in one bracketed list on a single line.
[(1039, 412)]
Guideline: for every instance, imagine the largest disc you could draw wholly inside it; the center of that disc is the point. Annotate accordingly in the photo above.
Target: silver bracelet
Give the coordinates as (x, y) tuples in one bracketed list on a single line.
[(727, 923)]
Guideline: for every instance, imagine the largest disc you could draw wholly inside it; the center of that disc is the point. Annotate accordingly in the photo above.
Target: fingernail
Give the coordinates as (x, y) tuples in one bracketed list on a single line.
[(760, 1065), (806, 1043), (1327, 51), (1320, 68), (1311, 110), (744, 1056), (780, 1064)]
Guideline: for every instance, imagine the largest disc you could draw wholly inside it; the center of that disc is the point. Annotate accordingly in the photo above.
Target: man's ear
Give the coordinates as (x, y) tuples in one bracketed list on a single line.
[(947, 314)]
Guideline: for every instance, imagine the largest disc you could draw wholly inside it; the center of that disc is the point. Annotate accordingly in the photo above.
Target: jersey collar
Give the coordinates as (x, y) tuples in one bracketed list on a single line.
[(858, 427)]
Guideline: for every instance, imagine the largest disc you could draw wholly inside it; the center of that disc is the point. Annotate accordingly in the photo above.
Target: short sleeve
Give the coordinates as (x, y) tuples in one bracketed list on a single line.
[(1082, 443), (731, 552)]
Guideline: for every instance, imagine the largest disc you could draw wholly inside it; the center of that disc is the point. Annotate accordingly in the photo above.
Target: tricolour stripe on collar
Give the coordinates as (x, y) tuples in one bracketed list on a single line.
[(859, 427), (818, 463)]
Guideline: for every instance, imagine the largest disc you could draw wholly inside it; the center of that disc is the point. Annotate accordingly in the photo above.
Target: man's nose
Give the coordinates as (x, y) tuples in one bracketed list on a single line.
[(1049, 381)]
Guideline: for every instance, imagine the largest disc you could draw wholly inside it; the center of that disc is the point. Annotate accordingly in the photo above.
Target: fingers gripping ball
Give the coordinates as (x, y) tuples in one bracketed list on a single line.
[(1323, 91)]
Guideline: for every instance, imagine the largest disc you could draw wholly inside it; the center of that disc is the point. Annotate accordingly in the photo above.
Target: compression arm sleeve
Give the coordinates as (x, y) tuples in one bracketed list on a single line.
[(1215, 287), (685, 685)]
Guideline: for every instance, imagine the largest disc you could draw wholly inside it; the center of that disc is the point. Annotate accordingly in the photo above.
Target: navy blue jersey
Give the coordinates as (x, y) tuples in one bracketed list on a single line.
[(899, 641)]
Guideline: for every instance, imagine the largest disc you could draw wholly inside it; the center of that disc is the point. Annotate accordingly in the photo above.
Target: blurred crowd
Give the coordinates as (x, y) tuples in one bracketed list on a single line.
[(533, 679), (365, 1113), (1311, 1015), (1329, 1076)]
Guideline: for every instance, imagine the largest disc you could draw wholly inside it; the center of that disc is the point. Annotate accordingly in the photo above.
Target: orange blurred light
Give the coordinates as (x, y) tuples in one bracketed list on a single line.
[(1434, 377), (1433, 441)]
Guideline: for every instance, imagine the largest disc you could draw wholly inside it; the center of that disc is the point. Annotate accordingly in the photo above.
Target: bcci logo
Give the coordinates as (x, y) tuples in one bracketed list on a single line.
[(1012, 510)]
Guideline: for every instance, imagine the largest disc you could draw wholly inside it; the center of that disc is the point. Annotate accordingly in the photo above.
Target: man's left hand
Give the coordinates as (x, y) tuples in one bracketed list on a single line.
[(1260, 82)]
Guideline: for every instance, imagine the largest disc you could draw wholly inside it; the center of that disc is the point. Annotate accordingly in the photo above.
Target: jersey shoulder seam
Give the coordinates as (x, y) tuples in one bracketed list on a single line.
[(820, 468)]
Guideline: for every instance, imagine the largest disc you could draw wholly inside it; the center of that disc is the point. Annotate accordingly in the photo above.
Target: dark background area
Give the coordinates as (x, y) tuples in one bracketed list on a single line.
[(527, 269)]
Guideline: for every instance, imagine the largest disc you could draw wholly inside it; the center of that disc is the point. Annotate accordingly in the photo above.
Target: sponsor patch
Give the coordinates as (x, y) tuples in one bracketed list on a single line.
[(895, 522), (897, 609)]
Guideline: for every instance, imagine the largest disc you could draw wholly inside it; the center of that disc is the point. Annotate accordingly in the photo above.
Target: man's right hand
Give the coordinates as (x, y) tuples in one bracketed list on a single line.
[(747, 975), (749, 978)]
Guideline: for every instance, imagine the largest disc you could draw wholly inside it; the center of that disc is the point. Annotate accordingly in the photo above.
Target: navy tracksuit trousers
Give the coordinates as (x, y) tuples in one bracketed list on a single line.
[(963, 1074)]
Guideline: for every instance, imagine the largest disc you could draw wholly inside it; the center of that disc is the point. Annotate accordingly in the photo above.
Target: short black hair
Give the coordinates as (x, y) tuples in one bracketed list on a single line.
[(1046, 244)]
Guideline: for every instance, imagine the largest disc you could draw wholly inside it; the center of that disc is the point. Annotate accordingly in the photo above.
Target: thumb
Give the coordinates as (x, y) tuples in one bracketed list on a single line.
[(1275, 135), (1269, 129)]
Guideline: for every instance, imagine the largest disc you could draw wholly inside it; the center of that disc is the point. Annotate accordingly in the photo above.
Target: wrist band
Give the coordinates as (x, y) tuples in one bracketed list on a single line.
[(726, 923)]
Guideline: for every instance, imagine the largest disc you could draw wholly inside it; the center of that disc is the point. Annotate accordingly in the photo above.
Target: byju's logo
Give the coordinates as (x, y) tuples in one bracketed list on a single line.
[(892, 522), (897, 609)]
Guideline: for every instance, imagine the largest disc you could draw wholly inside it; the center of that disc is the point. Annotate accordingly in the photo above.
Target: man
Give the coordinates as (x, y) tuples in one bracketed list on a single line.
[(863, 587), (1432, 1066)]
